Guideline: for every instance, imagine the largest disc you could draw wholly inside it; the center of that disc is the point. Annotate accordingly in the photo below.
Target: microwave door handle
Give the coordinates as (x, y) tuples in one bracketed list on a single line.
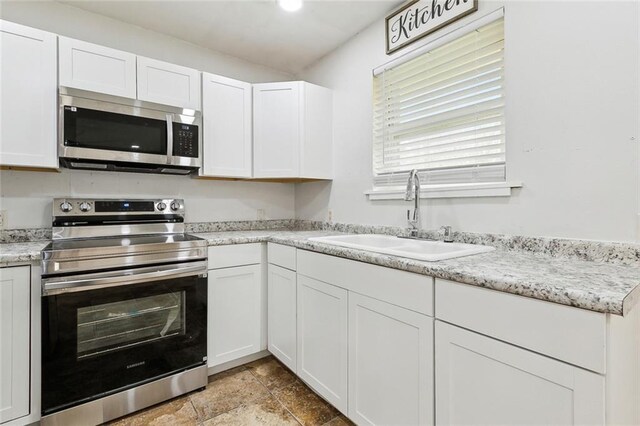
[(169, 138)]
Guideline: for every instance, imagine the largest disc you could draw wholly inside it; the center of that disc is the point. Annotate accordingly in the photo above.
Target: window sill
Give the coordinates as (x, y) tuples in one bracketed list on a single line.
[(458, 190)]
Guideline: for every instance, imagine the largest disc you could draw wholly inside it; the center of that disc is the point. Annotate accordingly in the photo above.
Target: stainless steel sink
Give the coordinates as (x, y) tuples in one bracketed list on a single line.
[(413, 249)]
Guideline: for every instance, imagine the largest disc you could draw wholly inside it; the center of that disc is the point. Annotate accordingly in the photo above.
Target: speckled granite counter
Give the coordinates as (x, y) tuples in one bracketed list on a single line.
[(21, 252), (600, 287)]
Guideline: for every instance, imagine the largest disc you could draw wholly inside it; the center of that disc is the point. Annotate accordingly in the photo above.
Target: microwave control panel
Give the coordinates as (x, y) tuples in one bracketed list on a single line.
[(185, 140)]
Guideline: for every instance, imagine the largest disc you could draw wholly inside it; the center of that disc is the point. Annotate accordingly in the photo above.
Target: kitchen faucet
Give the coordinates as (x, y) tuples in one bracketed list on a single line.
[(413, 193)]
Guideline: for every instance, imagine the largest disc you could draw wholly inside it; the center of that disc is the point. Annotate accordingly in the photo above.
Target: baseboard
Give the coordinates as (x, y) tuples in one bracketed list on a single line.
[(237, 362)]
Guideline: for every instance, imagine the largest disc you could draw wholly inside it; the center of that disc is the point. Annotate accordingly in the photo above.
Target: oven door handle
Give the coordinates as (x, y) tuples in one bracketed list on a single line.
[(60, 285)]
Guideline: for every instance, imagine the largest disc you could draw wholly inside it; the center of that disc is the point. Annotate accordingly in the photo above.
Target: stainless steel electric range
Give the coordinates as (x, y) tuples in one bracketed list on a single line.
[(124, 309)]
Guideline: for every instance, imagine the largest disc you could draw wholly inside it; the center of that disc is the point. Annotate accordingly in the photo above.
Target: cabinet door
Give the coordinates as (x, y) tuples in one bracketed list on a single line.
[(281, 311), (14, 342), (226, 113), (28, 97), (168, 84), (235, 313), (390, 361), (322, 339), (97, 68), (277, 129), (480, 380)]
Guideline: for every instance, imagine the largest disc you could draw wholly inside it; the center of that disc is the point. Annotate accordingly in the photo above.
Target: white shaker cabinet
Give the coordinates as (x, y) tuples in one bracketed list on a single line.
[(15, 284), (480, 380), (235, 298), (322, 339), (28, 97), (168, 84), (226, 112), (281, 312), (88, 66), (390, 364), (292, 124), (236, 320)]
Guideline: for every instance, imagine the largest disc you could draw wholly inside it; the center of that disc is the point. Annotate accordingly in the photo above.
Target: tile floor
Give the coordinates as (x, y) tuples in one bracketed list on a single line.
[(263, 392)]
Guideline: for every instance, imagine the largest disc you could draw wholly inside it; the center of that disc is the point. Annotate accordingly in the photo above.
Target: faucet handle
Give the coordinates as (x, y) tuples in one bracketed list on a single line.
[(448, 235)]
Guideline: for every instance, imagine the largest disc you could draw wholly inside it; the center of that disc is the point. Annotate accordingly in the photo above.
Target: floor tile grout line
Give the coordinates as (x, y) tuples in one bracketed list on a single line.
[(286, 386), (240, 368), (276, 398), (285, 407), (280, 402)]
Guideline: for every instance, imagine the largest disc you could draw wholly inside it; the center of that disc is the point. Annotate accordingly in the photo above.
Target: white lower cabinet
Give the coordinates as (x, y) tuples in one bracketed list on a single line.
[(235, 297), (480, 380), (322, 339), (281, 314), (15, 290), (390, 364)]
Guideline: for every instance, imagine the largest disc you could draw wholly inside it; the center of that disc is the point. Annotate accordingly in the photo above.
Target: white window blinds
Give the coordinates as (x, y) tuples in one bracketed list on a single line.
[(442, 112)]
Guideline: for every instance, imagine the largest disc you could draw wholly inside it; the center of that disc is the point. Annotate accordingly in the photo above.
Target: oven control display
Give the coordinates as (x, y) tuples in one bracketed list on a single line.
[(185, 140), (124, 206)]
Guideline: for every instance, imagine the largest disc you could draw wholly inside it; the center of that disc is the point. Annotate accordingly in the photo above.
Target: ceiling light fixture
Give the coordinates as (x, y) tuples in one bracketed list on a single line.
[(290, 5)]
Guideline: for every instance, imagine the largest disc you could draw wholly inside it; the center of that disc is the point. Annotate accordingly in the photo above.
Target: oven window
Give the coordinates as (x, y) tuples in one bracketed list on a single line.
[(113, 326), (87, 128)]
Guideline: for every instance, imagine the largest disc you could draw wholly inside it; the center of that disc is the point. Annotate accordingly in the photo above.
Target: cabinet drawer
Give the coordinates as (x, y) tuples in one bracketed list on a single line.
[(401, 288), (234, 255), (281, 255), (576, 336)]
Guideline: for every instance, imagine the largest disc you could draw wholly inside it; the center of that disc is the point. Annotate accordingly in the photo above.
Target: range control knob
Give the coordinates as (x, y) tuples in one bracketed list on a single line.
[(161, 206), (175, 206), (85, 207), (66, 206)]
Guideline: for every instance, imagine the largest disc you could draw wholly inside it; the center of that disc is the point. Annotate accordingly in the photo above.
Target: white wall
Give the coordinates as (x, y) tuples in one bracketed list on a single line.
[(572, 108), (26, 196)]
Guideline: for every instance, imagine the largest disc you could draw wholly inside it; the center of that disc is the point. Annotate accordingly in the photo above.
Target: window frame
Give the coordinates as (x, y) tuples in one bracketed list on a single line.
[(486, 183)]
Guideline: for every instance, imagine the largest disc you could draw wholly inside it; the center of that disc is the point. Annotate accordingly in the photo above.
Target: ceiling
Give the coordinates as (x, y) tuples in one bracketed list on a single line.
[(254, 30)]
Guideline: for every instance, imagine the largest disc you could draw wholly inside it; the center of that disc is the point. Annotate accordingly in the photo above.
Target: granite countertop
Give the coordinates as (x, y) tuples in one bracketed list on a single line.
[(21, 252), (596, 286)]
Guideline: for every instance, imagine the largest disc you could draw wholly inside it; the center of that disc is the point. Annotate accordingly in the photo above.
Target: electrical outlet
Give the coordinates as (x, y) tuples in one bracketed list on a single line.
[(262, 214), (330, 215), (3, 218)]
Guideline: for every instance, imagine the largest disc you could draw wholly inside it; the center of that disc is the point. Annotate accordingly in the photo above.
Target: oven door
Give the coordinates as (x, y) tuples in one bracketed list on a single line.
[(116, 335), (105, 131)]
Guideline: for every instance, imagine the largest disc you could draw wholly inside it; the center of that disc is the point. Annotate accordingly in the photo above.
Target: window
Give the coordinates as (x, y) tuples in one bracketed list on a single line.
[(442, 111)]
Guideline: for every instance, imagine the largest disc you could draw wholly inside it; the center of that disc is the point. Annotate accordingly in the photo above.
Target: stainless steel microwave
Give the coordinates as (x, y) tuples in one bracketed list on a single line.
[(107, 133)]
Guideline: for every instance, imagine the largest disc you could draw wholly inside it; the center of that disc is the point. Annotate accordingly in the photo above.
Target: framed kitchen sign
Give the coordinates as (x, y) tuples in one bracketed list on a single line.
[(419, 18)]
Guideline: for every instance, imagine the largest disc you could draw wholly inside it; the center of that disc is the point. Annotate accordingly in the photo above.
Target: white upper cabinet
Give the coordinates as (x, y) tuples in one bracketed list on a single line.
[(168, 84), (226, 112), (292, 131), (28, 97), (97, 68)]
